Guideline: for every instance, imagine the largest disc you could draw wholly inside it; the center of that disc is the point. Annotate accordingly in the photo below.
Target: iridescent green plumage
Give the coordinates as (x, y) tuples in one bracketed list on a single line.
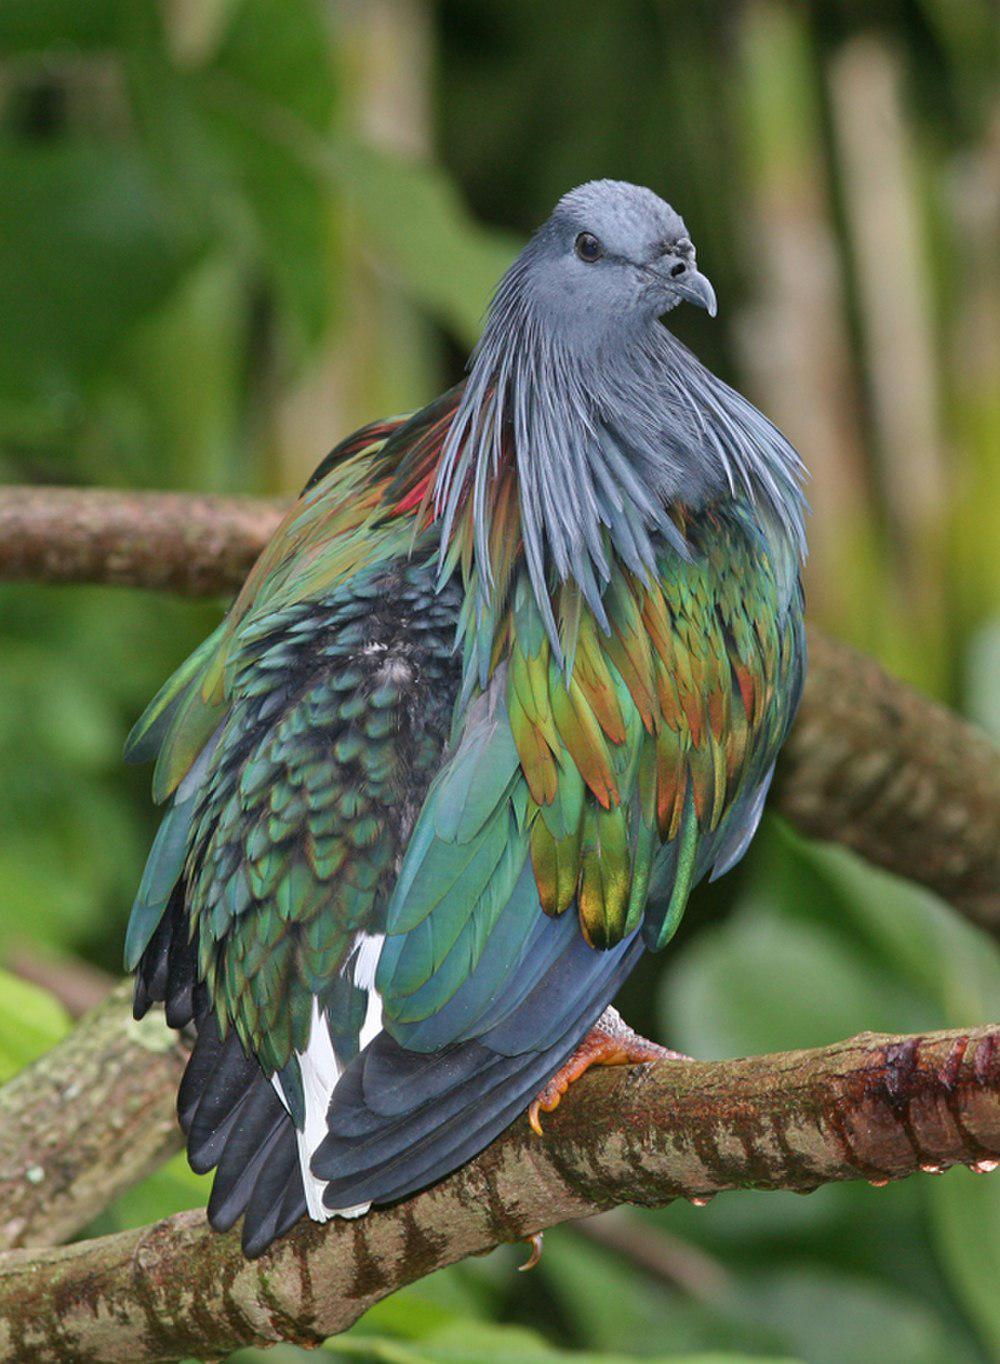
[(286, 849), (291, 846), (602, 783), (644, 753), (493, 700)]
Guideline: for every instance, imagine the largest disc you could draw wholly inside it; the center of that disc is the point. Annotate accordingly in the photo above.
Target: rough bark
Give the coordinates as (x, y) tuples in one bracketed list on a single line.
[(92, 1117), (870, 763), (904, 782), (179, 542), (874, 1107)]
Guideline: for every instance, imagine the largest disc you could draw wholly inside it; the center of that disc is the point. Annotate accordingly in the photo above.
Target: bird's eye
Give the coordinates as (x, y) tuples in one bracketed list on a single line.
[(588, 248)]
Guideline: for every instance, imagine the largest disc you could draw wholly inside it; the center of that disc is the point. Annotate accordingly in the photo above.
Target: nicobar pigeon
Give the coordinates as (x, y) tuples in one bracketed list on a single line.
[(510, 678)]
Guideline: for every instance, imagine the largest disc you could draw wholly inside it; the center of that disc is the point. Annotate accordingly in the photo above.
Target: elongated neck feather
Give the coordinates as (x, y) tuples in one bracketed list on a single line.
[(605, 433)]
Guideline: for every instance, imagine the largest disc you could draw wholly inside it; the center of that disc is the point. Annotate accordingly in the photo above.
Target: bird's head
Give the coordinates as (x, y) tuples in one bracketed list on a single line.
[(604, 418), (611, 254)]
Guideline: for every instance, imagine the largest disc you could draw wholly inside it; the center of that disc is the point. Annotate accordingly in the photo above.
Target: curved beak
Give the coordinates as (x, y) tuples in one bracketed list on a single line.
[(696, 288)]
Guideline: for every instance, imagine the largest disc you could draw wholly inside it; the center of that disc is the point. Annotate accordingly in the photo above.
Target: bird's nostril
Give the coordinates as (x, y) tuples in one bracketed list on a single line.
[(678, 269)]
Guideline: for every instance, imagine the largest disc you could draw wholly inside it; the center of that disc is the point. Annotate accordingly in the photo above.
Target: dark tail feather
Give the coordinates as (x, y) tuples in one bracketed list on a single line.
[(399, 1120), (397, 1157), (238, 1126), (228, 1110), (277, 1200), (152, 975), (243, 1159)]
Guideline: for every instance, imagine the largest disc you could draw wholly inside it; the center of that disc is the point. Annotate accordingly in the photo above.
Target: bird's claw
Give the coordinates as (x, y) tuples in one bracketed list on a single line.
[(535, 1242), (610, 1042)]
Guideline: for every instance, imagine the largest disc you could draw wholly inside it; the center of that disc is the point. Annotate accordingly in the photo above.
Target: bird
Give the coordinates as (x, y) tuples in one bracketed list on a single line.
[(509, 679)]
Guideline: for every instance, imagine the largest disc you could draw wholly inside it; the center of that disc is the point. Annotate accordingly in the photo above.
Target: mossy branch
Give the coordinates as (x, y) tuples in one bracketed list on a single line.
[(874, 1107), (90, 1118)]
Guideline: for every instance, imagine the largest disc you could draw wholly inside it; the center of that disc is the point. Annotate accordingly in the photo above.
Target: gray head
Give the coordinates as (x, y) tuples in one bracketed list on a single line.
[(611, 256)]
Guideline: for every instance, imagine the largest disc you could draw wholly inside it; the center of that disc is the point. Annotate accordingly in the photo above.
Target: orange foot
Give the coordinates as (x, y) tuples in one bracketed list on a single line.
[(610, 1042)]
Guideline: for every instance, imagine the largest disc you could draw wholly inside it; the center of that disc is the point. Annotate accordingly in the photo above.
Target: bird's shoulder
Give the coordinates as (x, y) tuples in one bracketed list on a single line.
[(360, 508)]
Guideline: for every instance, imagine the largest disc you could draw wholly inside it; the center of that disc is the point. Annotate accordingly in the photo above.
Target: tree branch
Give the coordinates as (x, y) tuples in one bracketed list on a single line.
[(90, 1118), (196, 545), (873, 1107), (870, 763)]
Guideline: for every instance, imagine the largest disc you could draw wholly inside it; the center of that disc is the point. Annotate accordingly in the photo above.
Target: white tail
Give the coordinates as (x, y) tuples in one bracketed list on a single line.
[(321, 1070)]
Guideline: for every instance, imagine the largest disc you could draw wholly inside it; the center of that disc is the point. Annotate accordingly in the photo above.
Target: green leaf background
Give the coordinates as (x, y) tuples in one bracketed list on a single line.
[(231, 231)]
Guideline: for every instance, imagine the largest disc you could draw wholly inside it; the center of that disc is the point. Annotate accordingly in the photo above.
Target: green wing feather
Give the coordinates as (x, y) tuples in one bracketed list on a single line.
[(278, 829), (618, 782), (293, 844), (652, 753), (463, 863)]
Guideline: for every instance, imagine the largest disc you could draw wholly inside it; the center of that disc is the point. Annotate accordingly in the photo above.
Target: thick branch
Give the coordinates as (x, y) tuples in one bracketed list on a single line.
[(90, 1118), (180, 542), (874, 765), (871, 763), (872, 1107)]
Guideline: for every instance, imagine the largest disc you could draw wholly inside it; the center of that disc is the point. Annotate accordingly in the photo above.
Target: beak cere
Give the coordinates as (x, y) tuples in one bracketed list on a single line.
[(696, 288)]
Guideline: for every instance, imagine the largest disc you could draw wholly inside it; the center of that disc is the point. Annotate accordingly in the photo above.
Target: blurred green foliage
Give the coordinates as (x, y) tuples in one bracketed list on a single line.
[(230, 230)]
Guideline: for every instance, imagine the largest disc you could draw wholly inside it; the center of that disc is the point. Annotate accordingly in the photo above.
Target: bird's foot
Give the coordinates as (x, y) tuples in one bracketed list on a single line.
[(610, 1042)]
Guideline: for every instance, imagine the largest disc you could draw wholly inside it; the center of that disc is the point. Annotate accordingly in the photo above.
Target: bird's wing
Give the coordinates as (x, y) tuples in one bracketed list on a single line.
[(326, 536), (291, 775), (484, 995), (647, 766), (566, 814), (466, 939), (338, 710)]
